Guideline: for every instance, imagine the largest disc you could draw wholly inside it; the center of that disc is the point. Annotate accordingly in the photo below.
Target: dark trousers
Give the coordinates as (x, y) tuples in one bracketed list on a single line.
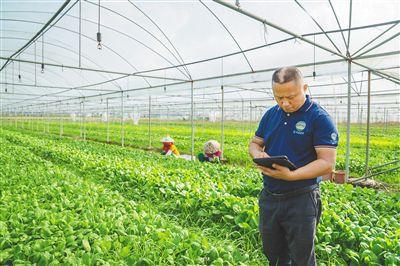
[(288, 226)]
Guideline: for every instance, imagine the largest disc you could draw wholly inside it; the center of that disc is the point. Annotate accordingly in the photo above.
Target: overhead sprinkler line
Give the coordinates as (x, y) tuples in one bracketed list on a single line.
[(5, 77), (314, 73), (99, 45), (35, 52), (42, 65), (38, 34), (19, 69), (237, 3), (165, 82), (265, 34)]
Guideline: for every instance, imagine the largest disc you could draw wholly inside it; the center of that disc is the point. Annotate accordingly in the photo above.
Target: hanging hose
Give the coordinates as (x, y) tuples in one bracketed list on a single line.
[(42, 66), (314, 73), (99, 46), (377, 167)]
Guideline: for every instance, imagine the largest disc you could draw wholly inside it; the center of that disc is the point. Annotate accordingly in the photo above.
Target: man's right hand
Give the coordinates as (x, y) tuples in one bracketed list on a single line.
[(256, 148), (261, 155)]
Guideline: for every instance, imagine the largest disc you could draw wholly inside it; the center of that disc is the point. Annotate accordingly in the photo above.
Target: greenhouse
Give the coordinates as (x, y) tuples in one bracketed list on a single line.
[(91, 89)]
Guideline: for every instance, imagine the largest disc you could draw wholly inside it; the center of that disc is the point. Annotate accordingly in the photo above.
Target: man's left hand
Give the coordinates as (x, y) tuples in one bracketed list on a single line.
[(279, 172)]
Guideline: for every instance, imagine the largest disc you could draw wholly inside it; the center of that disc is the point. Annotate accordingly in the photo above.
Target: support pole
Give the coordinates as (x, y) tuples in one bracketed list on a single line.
[(30, 116), (361, 118), (250, 116), (23, 116), (26, 119), (368, 123), (149, 133), (386, 119), (61, 122), (80, 120), (222, 121), (167, 114), (348, 120), (358, 116), (44, 118), (37, 119), (35, 65), (336, 112), (84, 119), (33, 119), (108, 122), (48, 121), (242, 117), (80, 33), (192, 120), (204, 116), (122, 120)]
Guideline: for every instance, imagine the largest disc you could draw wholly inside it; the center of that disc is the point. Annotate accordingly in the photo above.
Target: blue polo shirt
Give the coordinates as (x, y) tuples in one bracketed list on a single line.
[(296, 135)]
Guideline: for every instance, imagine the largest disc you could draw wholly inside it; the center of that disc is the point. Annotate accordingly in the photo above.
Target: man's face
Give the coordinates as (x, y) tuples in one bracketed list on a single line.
[(290, 96)]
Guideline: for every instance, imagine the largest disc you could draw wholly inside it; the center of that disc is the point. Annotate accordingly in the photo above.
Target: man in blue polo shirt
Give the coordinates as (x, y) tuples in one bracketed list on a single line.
[(290, 204)]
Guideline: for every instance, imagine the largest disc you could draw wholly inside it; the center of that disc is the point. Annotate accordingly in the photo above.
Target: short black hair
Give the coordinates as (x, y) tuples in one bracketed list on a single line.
[(286, 74)]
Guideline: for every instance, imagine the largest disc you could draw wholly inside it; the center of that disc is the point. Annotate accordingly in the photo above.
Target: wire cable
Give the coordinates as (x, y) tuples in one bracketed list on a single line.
[(319, 26)]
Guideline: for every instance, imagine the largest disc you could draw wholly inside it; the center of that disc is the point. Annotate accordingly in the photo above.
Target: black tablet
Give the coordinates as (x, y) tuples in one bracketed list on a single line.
[(281, 160)]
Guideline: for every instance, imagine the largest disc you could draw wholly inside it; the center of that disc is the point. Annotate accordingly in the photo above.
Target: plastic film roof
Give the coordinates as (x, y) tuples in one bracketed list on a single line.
[(159, 47)]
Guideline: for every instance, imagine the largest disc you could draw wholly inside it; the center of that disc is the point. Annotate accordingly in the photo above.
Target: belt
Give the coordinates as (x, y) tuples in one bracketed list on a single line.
[(292, 193)]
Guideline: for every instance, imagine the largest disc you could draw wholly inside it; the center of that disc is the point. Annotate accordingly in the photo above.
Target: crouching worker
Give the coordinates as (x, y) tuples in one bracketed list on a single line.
[(169, 147), (212, 152)]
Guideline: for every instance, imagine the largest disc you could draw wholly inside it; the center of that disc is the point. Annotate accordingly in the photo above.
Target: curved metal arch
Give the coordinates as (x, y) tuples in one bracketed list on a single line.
[(270, 44), (53, 87), (378, 45), (266, 45), (348, 33), (69, 30), (319, 26), (85, 86), (40, 32), (179, 83), (165, 35), (110, 28), (210, 78), (374, 39), (50, 71), (65, 48), (48, 59), (138, 41), (337, 21), (223, 25), (45, 95), (32, 80), (31, 94), (72, 88), (141, 27)]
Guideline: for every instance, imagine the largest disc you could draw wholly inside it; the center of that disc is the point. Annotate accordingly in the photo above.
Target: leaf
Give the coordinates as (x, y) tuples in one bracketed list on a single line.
[(244, 225), (125, 251), (86, 245), (105, 245)]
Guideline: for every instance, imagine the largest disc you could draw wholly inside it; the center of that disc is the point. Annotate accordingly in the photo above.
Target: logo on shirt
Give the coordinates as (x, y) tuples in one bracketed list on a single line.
[(333, 136), (300, 126)]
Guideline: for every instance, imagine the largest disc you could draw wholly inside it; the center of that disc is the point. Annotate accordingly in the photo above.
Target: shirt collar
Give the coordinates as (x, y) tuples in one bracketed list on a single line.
[(306, 106)]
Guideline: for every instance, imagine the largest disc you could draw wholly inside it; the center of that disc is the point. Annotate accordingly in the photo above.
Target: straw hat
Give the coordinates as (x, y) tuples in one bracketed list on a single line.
[(167, 139), (211, 146)]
